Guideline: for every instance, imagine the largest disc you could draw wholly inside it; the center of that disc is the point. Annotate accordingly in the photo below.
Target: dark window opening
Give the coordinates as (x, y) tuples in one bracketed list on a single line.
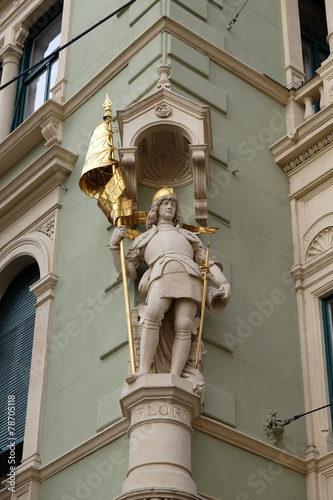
[(17, 323), (327, 306), (314, 33)]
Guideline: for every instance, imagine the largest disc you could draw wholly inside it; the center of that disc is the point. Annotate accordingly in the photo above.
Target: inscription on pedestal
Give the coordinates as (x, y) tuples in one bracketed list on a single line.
[(158, 411)]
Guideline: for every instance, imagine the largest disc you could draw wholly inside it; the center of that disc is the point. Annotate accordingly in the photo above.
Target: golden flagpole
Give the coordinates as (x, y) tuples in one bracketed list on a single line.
[(127, 305), (102, 179), (204, 270)]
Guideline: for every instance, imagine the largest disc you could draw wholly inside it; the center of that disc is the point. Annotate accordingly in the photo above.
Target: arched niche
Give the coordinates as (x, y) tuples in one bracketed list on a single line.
[(165, 141)]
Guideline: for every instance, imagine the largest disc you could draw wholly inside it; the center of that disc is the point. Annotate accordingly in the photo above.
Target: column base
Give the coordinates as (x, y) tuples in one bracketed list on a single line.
[(160, 408), (158, 494)]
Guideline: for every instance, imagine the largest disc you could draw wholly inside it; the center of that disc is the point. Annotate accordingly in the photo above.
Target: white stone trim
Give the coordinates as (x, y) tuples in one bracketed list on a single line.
[(39, 247), (216, 429), (292, 43), (59, 89), (41, 177)]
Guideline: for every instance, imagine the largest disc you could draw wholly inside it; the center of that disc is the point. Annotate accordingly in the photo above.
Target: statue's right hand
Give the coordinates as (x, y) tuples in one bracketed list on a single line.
[(117, 235)]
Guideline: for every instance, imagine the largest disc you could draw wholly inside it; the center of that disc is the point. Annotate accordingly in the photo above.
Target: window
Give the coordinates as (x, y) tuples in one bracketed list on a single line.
[(313, 32), (314, 53), (327, 305), (33, 89), (17, 322)]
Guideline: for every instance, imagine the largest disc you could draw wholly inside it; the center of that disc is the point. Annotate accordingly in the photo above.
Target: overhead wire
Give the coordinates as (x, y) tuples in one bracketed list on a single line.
[(232, 22), (59, 49), (295, 417)]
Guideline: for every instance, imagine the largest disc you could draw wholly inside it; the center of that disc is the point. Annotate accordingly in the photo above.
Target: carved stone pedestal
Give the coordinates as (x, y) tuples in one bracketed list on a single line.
[(160, 408)]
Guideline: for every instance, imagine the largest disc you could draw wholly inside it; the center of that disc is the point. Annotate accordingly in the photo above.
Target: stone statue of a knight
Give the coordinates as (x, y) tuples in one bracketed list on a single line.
[(173, 285)]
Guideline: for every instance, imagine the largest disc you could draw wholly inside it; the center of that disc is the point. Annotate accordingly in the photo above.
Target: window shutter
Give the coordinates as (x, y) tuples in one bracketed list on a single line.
[(17, 321)]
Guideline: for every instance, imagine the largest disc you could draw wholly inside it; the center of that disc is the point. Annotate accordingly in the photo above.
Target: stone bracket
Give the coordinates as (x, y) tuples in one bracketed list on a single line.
[(128, 160)]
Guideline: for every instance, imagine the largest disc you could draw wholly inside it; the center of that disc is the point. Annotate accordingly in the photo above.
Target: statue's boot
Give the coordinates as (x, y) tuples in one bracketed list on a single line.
[(148, 346), (180, 351)]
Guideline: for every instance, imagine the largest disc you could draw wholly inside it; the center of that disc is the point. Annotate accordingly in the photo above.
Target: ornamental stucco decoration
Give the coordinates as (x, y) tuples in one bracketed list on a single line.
[(274, 427), (163, 110), (323, 241), (319, 237), (309, 153), (166, 140), (48, 228)]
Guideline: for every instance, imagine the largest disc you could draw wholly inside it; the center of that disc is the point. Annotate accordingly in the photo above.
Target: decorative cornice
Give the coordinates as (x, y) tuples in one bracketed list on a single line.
[(12, 7), (47, 172), (28, 134), (44, 288), (310, 152)]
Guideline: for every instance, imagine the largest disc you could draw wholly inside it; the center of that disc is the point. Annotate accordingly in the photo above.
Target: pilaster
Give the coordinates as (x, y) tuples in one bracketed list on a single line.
[(292, 43), (329, 20), (10, 57)]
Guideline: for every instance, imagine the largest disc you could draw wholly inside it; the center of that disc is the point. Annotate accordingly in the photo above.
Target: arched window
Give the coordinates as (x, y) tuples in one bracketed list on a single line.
[(17, 321)]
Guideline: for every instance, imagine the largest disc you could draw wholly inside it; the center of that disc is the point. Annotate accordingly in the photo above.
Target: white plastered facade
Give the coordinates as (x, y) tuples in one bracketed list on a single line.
[(306, 155)]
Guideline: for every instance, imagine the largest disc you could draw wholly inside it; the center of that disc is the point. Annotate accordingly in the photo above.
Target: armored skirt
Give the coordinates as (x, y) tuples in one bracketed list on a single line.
[(175, 282)]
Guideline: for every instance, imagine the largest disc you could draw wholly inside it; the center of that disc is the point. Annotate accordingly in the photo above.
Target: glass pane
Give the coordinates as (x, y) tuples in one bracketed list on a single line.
[(307, 61), (37, 91), (330, 314), (48, 40), (35, 95)]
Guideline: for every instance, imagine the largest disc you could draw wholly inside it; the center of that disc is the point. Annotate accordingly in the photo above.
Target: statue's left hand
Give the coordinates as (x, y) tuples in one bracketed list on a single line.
[(225, 288)]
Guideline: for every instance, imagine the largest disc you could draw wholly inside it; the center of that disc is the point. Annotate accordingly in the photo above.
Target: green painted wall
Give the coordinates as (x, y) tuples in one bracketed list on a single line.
[(253, 356), (226, 472), (255, 39), (97, 476)]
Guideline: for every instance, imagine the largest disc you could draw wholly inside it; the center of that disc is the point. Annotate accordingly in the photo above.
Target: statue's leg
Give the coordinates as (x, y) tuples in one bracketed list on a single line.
[(185, 311), (154, 313)]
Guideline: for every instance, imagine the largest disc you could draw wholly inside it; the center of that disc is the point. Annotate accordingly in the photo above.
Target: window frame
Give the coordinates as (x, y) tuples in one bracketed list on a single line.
[(327, 313), (19, 115), (316, 49)]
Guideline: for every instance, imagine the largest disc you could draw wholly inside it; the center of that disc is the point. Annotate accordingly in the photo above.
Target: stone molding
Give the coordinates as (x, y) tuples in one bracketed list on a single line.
[(209, 426), (204, 424), (11, 54), (309, 153), (28, 134), (48, 171), (35, 245), (306, 142)]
